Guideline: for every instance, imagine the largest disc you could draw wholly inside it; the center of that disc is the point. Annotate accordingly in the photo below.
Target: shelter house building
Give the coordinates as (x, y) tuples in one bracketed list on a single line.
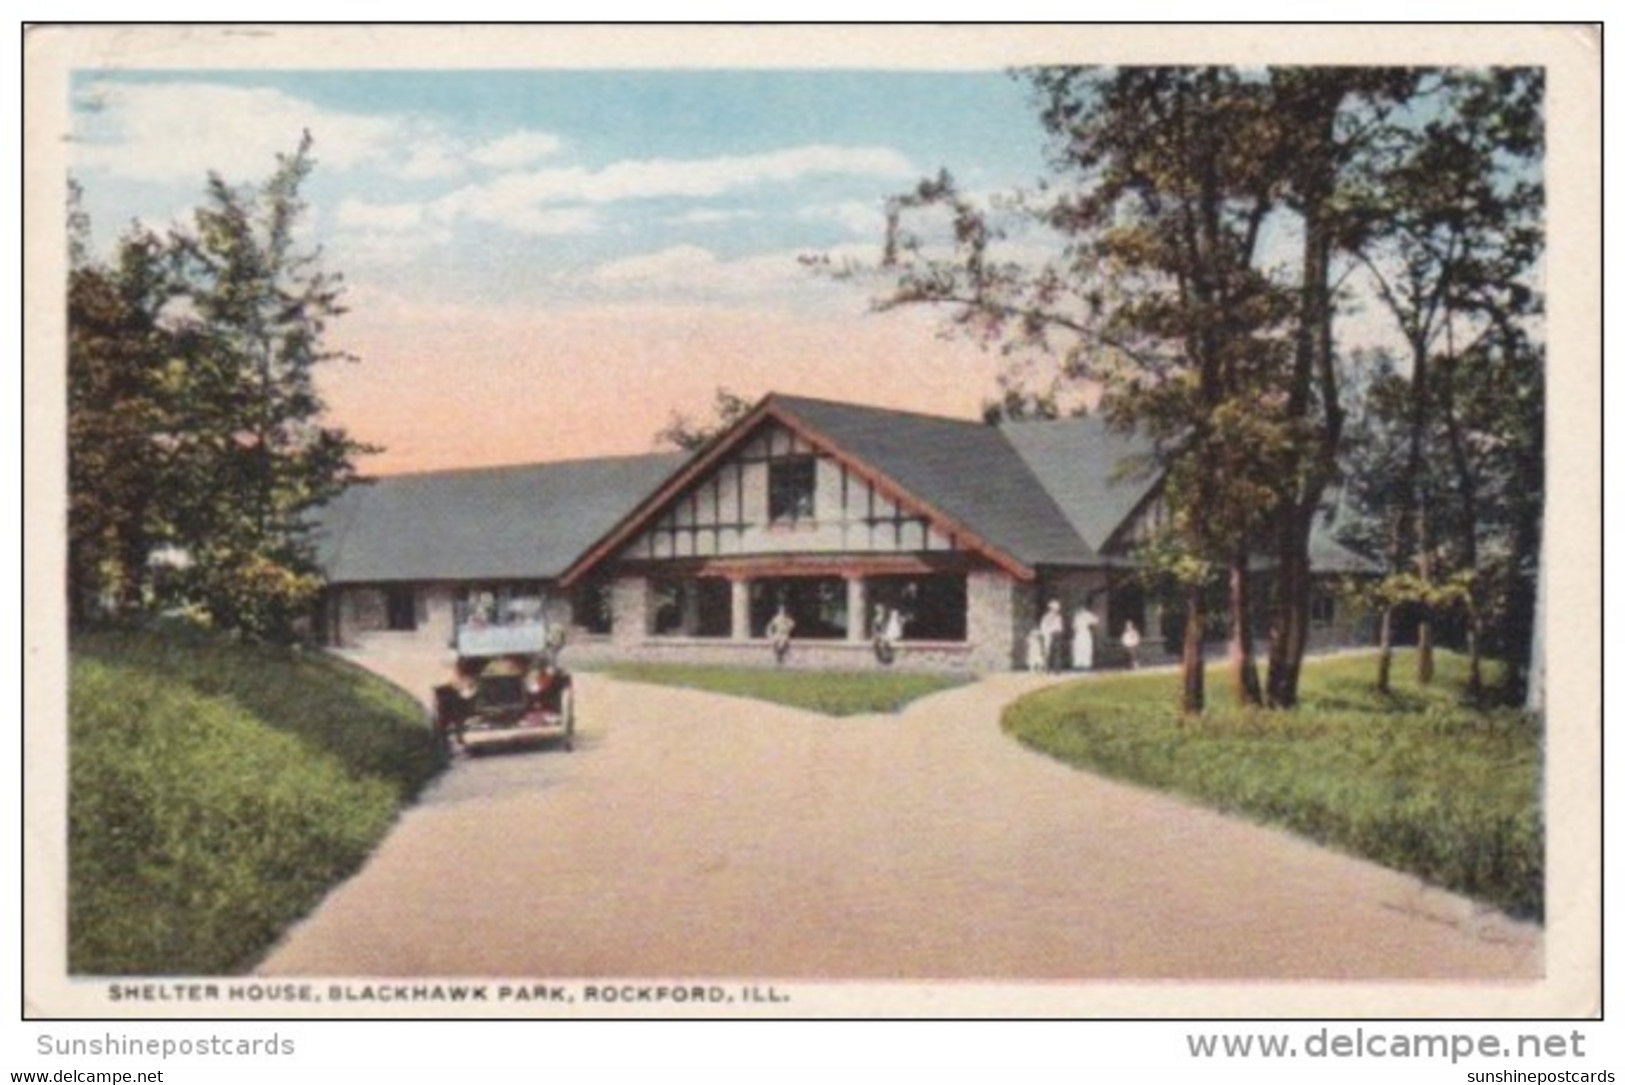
[(835, 514)]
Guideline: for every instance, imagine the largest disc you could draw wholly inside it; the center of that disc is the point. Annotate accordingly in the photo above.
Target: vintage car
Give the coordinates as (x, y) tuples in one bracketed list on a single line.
[(509, 686)]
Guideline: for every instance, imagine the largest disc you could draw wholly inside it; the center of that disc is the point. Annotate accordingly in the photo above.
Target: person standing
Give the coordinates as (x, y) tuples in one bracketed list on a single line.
[(894, 629), (1131, 644), (877, 635), (1083, 638), (1053, 629), (1035, 651), (778, 633)]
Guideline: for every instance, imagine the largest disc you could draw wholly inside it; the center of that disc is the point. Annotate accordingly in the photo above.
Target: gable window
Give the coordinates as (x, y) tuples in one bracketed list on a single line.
[(791, 486)]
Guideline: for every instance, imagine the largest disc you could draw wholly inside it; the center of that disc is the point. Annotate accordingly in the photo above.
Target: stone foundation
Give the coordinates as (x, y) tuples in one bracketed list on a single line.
[(804, 654)]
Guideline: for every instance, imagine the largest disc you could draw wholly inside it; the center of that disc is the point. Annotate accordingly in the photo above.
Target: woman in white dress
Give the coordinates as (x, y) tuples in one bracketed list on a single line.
[(1083, 639)]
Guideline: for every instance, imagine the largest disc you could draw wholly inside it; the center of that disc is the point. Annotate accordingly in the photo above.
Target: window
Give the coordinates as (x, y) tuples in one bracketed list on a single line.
[(817, 605), (515, 603), (1323, 608), (713, 608), (667, 603), (691, 608), (401, 605), (932, 607), (791, 485), (591, 607)]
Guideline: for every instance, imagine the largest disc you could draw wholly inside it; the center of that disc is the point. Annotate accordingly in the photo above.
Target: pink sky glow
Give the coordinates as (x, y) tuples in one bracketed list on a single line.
[(448, 387)]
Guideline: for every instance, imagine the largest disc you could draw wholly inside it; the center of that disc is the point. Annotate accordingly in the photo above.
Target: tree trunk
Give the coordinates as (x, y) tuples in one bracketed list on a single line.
[(1193, 699), (1314, 384), (1475, 656), (1243, 665), (1424, 569), (1534, 699), (1385, 651), (1289, 636)]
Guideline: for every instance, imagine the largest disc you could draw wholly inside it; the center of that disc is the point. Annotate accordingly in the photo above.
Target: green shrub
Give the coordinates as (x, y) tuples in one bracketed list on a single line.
[(217, 791), (1416, 780)]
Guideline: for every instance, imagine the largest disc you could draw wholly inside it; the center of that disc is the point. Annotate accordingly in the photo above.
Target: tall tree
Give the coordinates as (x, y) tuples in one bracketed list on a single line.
[(257, 456), (194, 418), (1329, 119), (1166, 178), (119, 354), (1453, 219)]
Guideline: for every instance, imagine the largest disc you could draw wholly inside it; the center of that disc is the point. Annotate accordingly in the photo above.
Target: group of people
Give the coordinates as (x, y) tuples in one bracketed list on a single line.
[(1049, 649), (885, 631)]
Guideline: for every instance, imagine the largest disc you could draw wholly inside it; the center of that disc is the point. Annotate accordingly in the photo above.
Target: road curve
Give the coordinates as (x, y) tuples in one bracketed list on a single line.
[(695, 835)]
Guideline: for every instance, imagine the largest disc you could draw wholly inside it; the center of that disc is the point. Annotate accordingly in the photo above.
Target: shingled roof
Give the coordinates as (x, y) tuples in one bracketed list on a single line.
[(968, 471), (1050, 493), (525, 522), (1097, 475)]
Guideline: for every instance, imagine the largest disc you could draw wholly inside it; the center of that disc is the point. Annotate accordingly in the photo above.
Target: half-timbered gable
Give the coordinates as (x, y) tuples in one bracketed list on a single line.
[(781, 493)]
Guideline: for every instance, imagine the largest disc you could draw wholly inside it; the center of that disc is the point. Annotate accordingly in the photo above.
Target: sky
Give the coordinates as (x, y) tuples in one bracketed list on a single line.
[(545, 264)]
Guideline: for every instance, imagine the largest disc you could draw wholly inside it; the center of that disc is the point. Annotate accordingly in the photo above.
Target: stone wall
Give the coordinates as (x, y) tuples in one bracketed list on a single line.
[(629, 611), (999, 611), (804, 654)]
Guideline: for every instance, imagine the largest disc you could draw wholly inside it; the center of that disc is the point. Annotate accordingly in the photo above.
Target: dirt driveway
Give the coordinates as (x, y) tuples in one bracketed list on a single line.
[(700, 836)]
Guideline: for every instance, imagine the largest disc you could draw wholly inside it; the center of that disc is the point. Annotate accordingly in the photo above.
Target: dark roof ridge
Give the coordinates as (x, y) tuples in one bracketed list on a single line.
[(532, 465), (790, 400)]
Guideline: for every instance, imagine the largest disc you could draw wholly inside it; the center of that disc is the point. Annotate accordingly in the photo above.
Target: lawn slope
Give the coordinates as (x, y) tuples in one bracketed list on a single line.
[(217, 791), (1415, 780), (832, 693)]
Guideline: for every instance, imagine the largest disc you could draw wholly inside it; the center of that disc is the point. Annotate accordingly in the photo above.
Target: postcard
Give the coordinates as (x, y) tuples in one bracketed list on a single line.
[(829, 521)]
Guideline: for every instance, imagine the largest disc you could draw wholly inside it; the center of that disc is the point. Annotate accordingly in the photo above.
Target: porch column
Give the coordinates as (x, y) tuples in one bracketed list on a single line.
[(691, 607), (857, 603), (739, 625)]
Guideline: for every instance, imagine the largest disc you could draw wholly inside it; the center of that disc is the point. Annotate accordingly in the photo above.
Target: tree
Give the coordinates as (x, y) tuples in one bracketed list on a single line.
[(197, 423), (1330, 119), (1452, 222), (682, 432), (1174, 193), (1167, 177), (258, 458), (118, 353)]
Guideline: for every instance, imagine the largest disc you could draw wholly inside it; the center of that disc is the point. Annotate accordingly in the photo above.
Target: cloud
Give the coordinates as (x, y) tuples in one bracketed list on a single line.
[(361, 217), (562, 200), (512, 198), (517, 150), (379, 217), (169, 132), (693, 273), (180, 131), (864, 218), (677, 264), (711, 216)]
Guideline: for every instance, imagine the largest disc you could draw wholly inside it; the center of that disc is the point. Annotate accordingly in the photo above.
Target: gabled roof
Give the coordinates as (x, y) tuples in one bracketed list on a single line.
[(1098, 476), (967, 471), (962, 476), (1025, 495), (526, 522)]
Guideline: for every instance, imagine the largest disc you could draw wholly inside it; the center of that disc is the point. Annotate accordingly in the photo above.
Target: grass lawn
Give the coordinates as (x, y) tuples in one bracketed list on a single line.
[(833, 693), (1414, 781), (217, 791)]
